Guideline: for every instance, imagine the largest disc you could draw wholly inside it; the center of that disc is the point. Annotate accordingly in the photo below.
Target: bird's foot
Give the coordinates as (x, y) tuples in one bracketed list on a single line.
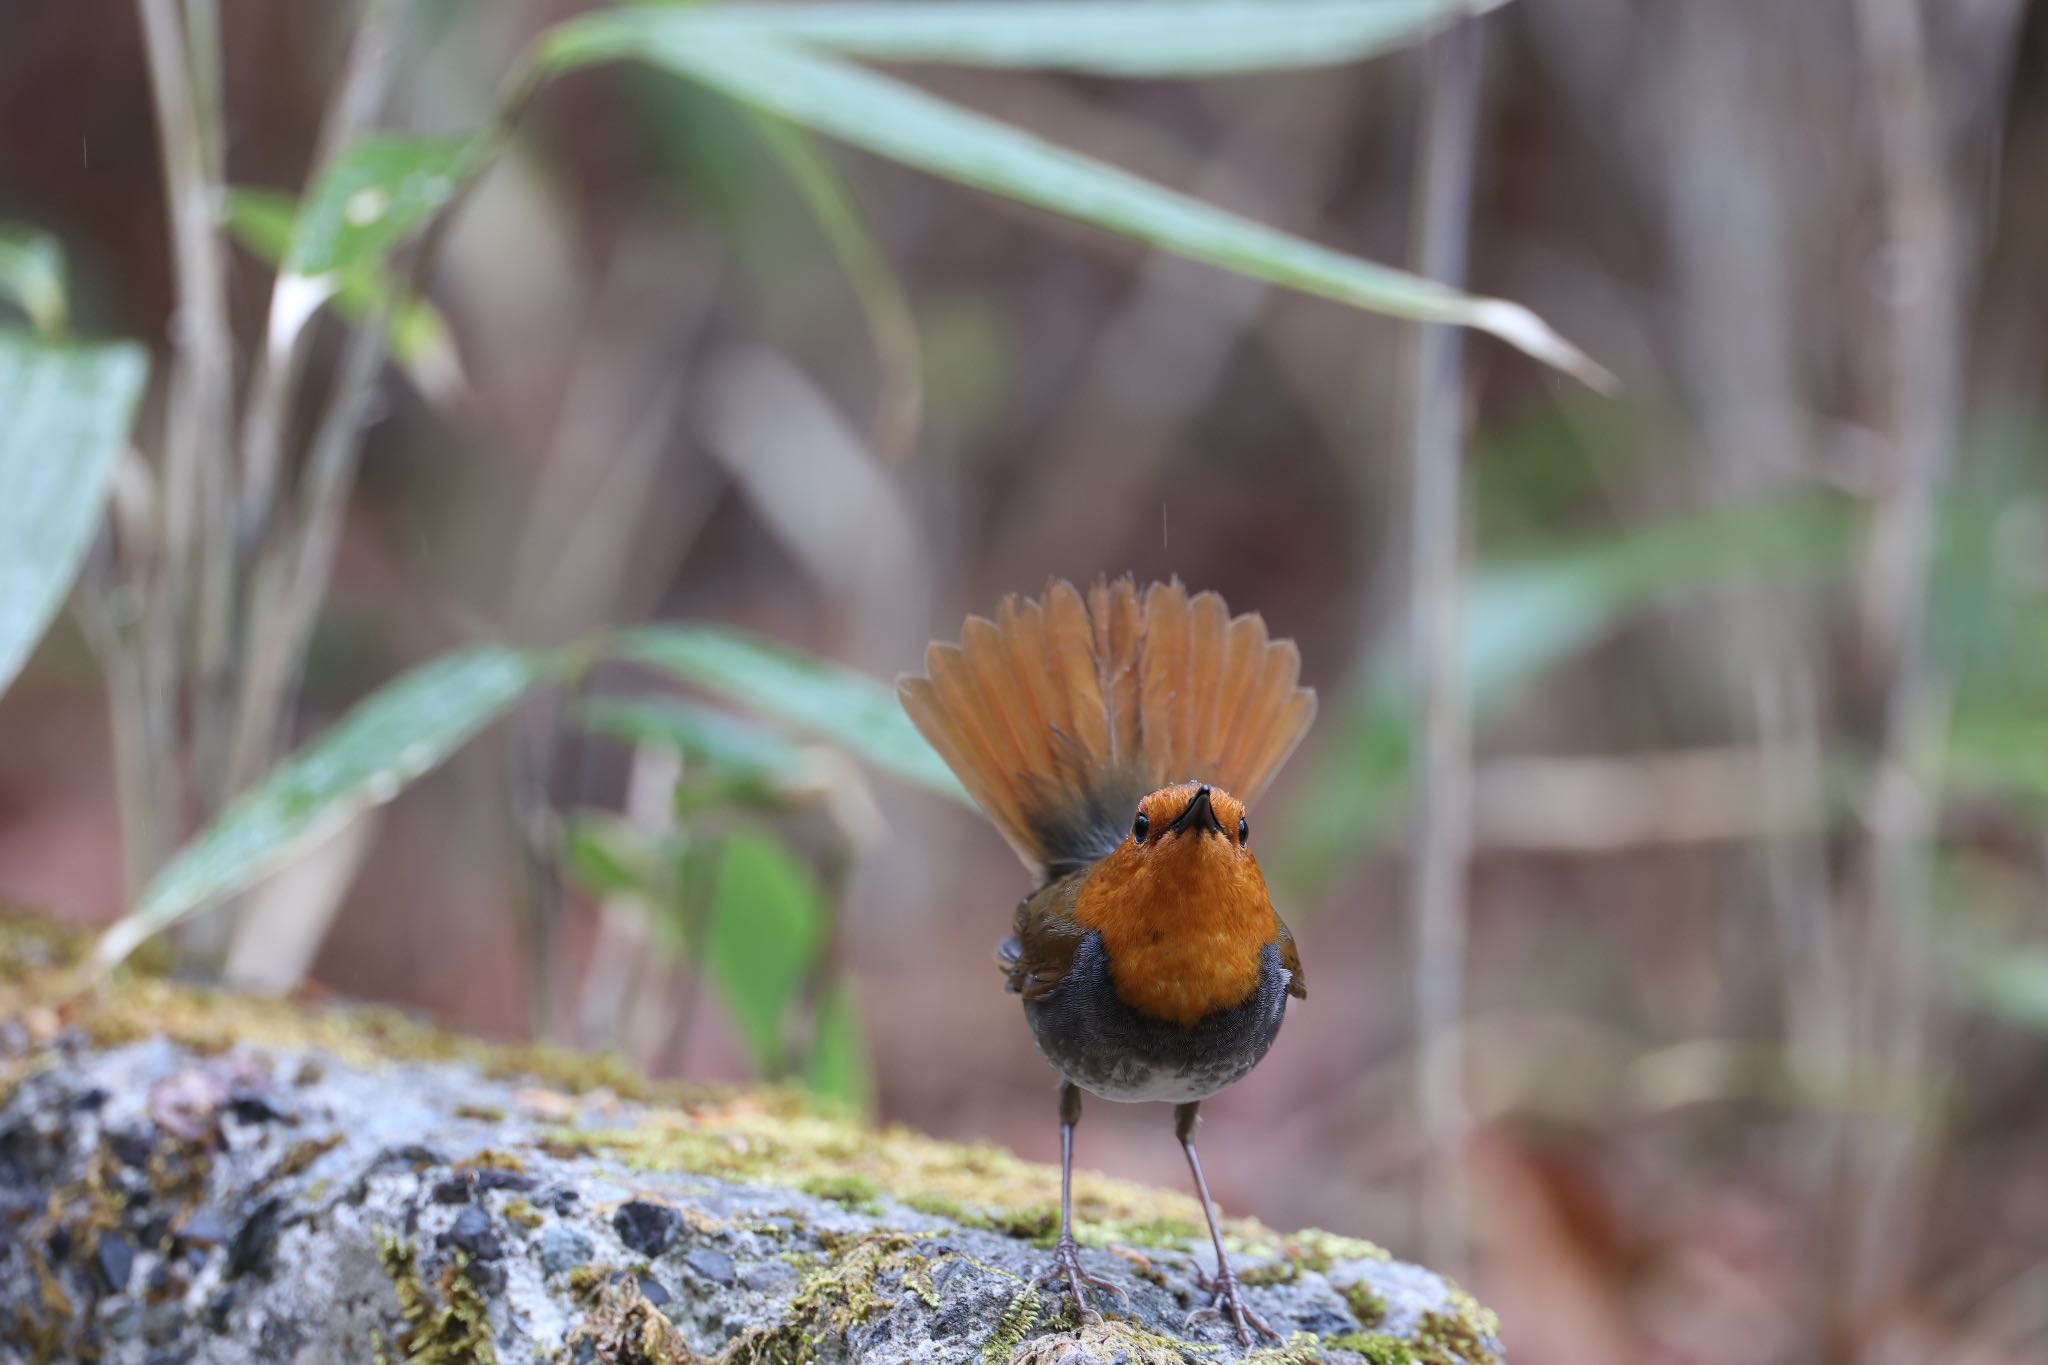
[(1225, 1304), (1066, 1275)]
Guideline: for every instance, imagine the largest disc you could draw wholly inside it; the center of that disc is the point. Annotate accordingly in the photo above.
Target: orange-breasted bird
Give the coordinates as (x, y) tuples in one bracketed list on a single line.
[(1115, 742)]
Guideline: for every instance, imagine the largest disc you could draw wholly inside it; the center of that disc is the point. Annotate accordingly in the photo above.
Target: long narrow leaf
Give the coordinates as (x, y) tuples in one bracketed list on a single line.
[(1134, 38), (903, 123), (384, 744), (837, 703), (64, 412)]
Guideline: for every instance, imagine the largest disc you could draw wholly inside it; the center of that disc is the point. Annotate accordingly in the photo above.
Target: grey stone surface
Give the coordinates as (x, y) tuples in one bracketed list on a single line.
[(158, 1207)]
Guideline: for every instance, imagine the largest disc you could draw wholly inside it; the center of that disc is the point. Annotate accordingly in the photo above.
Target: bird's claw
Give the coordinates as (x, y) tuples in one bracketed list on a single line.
[(1066, 1274), (1225, 1302)]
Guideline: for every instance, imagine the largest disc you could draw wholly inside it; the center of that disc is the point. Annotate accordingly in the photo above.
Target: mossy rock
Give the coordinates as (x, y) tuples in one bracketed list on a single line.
[(201, 1178)]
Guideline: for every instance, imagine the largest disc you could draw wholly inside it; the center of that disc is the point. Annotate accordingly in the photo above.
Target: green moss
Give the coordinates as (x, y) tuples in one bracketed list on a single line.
[(623, 1328), (1301, 1348), (1367, 1304), (833, 1299), (523, 1213), (491, 1159), (854, 1191), (1139, 1232), (451, 1328), (1318, 1250), (1282, 1271), (1015, 1324), (1463, 1333), (1110, 1339), (976, 1186), (1378, 1348)]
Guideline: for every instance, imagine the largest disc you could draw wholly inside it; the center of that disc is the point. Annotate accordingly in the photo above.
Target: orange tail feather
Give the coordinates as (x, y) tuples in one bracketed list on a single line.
[(1063, 711)]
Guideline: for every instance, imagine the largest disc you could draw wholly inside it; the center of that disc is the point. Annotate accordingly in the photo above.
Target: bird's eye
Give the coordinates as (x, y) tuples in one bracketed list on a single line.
[(1139, 826), (1244, 830)]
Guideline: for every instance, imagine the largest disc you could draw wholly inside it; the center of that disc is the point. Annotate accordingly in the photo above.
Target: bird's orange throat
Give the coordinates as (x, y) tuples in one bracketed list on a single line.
[(1184, 924)]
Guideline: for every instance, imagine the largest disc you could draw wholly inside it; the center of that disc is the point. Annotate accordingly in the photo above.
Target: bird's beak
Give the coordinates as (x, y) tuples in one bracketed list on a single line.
[(1200, 816)]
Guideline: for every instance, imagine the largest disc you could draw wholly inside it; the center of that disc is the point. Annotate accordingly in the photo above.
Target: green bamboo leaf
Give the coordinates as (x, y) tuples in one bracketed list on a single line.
[(64, 414), (1131, 38), (767, 929), (32, 274), (905, 124), (848, 708), (262, 221), (372, 198), (399, 733)]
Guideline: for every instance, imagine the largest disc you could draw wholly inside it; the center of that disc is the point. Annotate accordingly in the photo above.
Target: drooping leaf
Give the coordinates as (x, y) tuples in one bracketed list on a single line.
[(905, 124), (64, 413), (32, 275), (1120, 38), (848, 708), (767, 929), (399, 733), (373, 196)]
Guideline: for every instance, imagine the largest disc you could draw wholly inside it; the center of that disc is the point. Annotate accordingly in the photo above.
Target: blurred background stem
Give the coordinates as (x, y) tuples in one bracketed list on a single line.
[(1441, 847), (1917, 360)]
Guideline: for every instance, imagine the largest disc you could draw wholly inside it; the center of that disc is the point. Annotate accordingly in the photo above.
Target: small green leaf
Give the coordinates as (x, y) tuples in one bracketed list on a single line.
[(32, 274), (838, 1069), (848, 708), (608, 855), (905, 124), (373, 197), (261, 220), (64, 413), (767, 929), (1125, 38), (401, 732)]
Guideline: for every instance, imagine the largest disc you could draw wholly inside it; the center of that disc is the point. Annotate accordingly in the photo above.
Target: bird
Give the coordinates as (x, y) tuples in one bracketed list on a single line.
[(1115, 739)]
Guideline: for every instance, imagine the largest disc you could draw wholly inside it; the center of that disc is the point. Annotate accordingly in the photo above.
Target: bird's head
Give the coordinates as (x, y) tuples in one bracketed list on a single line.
[(1181, 905), (1190, 823)]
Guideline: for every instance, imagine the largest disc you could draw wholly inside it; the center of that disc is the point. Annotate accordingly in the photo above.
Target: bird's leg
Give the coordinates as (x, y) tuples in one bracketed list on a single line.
[(1066, 1272), (1223, 1296)]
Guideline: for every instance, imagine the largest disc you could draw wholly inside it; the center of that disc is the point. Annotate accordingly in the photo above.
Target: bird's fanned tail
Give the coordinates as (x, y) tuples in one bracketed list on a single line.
[(1063, 711)]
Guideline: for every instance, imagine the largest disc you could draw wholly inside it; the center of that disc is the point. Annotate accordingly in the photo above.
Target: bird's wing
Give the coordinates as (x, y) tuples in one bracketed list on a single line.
[(1290, 958), (1038, 956), (1063, 711)]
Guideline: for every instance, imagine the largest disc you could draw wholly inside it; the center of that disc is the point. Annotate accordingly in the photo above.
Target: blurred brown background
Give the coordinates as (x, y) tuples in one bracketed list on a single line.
[(671, 406)]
